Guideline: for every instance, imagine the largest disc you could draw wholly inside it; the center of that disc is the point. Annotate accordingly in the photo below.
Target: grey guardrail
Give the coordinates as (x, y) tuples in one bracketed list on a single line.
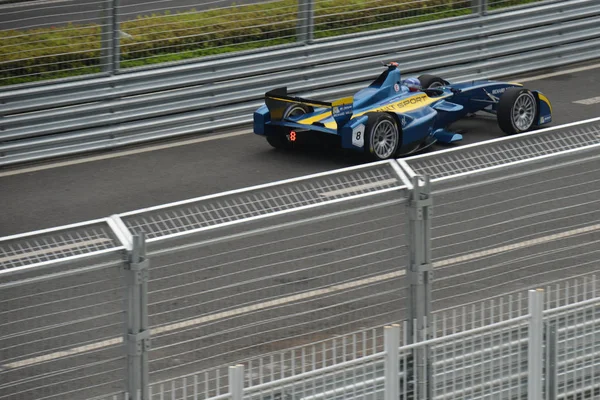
[(66, 118)]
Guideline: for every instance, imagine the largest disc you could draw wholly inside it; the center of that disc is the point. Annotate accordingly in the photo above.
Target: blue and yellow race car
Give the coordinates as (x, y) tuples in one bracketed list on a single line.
[(391, 117)]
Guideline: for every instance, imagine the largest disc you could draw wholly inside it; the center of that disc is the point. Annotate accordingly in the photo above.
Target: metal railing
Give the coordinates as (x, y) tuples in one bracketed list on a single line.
[(522, 355), (288, 263), (48, 120)]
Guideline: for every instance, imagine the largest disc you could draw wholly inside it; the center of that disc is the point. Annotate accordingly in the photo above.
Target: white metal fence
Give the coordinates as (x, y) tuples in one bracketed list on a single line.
[(548, 349), (248, 274)]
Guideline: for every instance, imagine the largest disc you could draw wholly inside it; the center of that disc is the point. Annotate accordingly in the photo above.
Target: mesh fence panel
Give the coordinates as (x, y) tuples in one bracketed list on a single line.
[(336, 17), (164, 31), (45, 40), (481, 366), (27, 251), (498, 233), (219, 304), (501, 4), (62, 338), (576, 352)]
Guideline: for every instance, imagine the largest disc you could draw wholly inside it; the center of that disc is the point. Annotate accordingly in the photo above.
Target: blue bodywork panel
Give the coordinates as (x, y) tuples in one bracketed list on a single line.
[(423, 116)]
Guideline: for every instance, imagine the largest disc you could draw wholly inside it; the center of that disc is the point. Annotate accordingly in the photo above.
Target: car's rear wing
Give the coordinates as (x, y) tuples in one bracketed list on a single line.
[(278, 100)]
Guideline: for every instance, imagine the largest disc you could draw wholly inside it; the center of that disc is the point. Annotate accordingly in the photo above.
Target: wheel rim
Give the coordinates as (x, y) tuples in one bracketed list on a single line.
[(435, 85), (294, 111), (384, 139), (523, 111)]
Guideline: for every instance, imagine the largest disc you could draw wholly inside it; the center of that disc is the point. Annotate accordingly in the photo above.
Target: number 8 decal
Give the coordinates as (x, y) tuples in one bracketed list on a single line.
[(358, 136)]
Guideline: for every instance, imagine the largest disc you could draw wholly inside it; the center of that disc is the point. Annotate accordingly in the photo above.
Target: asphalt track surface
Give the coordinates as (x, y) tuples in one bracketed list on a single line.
[(97, 189), (523, 214), (43, 13)]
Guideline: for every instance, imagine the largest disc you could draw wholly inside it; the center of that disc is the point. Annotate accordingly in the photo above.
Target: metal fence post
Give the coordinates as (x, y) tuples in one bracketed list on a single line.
[(419, 278), (306, 19), (137, 338), (116, 38), (110, 53), (106, 42), (551, 367), (236, 382), (479, 7), (536, 344), (391, 343)]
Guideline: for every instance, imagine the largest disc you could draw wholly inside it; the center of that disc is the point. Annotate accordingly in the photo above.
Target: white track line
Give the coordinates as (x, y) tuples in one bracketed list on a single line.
[(122, 153), (558, 73), (303, 296), (588, 102)]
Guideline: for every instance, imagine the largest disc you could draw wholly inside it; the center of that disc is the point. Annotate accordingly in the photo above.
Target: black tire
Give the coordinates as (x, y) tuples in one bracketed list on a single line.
[(431, 81), (279, 140), (517, 110), (376, 132)]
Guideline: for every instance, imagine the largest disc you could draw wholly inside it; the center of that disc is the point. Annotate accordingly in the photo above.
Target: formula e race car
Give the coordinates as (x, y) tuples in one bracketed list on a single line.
[(392, 118)]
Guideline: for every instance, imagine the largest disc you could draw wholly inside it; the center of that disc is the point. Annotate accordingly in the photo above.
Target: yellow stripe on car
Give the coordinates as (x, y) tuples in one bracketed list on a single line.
[(405, 105), (315, 118), (308, 103), (545, 100)]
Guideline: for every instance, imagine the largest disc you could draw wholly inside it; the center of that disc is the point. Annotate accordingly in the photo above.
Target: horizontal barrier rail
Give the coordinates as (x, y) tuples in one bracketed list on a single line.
[(68, 118)]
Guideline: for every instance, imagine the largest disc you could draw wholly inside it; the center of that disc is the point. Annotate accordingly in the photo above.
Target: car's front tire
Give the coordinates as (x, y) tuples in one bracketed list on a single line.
[(382, 136), (517, 110)]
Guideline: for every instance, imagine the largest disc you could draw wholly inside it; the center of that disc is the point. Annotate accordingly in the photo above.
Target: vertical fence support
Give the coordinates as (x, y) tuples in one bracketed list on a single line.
[(391, 342), (479, 7), (106, 42), (419, 278), (137, 338), (236, 382), (306, 19), (551, 367), (536, 344), (116, 38), (110, 52)]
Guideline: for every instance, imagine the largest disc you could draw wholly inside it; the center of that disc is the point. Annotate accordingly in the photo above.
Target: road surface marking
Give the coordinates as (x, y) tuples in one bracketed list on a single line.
[(302, 296), (122, 153), (516, 246), (53, 249), (558, 73), (589, 102), (359, 188)]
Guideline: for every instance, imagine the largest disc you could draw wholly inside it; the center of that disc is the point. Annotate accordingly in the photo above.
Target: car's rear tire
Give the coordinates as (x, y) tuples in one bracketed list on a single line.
[(279, 140), (431, 81), (382, 136), (517, 110)]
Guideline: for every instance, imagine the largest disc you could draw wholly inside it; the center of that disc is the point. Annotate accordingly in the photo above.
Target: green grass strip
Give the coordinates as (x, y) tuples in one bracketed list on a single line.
[(57, 52)]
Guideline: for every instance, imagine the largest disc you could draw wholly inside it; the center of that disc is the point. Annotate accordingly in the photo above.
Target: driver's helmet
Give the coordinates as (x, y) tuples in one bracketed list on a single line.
[(413, 84)]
